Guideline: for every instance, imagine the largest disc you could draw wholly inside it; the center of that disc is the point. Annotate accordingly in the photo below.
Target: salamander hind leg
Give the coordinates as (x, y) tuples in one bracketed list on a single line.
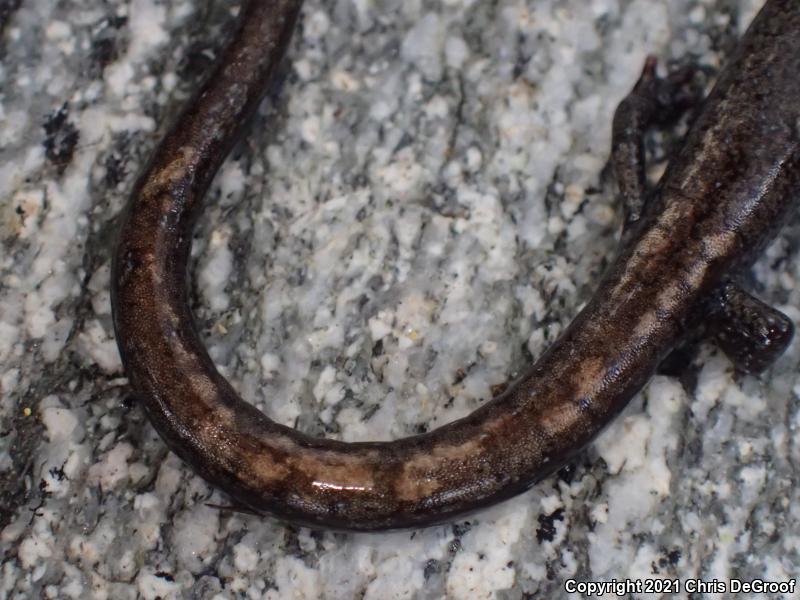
[(750, 332), (654, 101)]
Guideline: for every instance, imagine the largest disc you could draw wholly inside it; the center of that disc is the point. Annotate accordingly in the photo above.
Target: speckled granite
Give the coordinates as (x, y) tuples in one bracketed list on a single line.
[(417, 214)]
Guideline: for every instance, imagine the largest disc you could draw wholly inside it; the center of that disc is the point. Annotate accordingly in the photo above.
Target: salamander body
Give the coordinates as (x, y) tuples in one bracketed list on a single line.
[(720, 201)]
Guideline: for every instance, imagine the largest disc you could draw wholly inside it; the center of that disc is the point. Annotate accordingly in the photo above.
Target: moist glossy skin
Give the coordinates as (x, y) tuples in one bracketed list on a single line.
[(720, 202)]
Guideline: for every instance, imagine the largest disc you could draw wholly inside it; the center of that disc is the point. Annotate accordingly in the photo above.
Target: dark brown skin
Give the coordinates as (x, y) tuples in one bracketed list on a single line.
[(720, 202)]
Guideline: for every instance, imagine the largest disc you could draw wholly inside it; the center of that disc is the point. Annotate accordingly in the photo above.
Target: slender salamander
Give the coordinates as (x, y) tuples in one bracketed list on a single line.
[(721, 200)]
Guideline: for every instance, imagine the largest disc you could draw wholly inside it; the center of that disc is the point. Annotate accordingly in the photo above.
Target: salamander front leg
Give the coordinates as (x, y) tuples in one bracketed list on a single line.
[(750, 332), (654, 101)]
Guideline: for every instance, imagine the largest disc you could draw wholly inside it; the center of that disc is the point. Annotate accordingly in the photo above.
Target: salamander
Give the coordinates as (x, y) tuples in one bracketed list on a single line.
[(721, 200)]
